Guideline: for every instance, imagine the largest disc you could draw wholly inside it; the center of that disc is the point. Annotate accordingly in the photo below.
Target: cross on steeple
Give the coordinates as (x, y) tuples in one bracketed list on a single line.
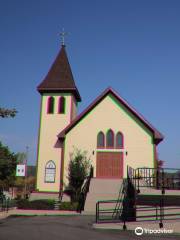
[(63, 34)]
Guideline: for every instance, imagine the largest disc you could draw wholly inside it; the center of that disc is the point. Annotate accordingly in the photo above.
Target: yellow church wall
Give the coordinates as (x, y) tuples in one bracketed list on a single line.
[(109, 114), (49, 149), (73, 108)]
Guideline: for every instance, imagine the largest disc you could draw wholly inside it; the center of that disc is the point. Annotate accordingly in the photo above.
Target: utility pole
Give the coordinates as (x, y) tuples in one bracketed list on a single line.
[(26, 169)]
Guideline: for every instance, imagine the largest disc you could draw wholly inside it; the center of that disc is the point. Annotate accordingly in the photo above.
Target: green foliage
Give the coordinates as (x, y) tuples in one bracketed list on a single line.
[(44, 204), (20, 184), (4, 113), (78, 170), (21, 157), (8, 161), (68, 206)]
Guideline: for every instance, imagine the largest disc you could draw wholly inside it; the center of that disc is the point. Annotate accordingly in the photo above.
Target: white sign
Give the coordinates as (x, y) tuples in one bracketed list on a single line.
[(21, 170)]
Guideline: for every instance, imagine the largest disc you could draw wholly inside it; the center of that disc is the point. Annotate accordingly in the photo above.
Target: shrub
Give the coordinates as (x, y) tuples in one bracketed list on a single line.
[(44, 204), (78, 170), (68, 206)]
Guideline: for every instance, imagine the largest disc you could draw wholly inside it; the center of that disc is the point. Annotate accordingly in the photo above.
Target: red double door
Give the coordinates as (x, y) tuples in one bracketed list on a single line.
[(109, 165)]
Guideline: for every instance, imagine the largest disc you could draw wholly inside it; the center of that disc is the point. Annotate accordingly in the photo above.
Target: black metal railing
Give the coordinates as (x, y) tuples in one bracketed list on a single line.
[(155, 178), (111, 210), (6, 204), (119, 204), (105, 211), (158, 178), (84, 191)]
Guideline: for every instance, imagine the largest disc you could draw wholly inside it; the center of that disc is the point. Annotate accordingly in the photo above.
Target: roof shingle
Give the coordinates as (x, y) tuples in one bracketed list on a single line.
[(59, 77)]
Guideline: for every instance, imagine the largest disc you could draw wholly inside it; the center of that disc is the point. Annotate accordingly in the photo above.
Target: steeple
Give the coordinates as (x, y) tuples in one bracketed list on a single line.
[(59, 77)]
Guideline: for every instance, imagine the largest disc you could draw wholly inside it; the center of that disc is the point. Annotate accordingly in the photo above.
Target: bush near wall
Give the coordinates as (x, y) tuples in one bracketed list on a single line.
[(36, 204), (71, 206)]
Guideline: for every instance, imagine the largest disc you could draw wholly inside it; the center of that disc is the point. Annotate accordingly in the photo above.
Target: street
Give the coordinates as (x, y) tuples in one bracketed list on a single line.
[(62, 228)]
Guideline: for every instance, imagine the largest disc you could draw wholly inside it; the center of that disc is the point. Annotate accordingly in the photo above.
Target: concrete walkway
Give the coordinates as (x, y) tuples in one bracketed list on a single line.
[(172, 225), (21, 212)]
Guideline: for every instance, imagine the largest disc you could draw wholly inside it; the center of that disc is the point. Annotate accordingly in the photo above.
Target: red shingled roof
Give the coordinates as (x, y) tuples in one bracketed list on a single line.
[(158, 137), (59, 77)]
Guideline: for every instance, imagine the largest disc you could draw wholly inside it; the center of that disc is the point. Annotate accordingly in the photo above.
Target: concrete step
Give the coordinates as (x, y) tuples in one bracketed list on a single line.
[(105, 185), (91, 206), (43, 195), (102, 196), (102, 189), (57, 204)]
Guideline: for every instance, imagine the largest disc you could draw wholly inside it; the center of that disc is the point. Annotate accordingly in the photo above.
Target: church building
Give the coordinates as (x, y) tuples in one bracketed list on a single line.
[(112, 132)]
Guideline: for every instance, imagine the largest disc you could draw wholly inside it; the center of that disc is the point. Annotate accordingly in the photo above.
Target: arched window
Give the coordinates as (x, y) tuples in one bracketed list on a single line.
[(62, 104), (50, 172), (119, 140), (100, 140), (110, 139), (50, 105)]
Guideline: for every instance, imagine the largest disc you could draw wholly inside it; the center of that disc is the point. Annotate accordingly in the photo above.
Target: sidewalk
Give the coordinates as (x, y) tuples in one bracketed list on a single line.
[(21, 212), (4, 214), (173, 225)]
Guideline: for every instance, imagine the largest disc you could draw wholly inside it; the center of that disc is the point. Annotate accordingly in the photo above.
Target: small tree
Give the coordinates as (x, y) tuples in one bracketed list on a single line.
[(78, 170), (8, 163)]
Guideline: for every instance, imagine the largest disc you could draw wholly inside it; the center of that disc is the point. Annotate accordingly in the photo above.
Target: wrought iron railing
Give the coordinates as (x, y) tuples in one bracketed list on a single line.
[(158, 178), (6, 204), (105, 211), (119, 204), (111, 210)]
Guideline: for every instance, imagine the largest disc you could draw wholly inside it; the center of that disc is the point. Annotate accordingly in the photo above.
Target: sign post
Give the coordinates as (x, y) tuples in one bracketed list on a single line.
[(21, 171)]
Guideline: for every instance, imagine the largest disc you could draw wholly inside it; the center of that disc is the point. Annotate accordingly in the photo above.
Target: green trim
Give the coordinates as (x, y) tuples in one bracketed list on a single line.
[(40, 125), (125, 110), (138, 122), (130, 115)]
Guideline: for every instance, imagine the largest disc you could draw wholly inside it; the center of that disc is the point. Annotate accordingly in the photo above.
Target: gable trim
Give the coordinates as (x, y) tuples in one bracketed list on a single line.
[(158, 137)]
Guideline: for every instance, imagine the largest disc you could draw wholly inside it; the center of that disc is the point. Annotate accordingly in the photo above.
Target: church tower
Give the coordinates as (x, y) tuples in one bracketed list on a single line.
[(59, 98)]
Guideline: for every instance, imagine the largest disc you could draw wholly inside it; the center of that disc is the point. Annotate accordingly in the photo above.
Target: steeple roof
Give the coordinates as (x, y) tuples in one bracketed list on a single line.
[(59, 77)]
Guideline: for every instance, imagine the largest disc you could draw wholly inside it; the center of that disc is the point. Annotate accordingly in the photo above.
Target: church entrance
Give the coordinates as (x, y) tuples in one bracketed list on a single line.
[(109, 165)]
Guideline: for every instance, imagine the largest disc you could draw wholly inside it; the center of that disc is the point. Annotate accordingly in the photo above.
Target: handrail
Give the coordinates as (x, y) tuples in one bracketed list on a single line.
[(118, 208), (84, 191), (158, 178), (6, 204), (113, 208)]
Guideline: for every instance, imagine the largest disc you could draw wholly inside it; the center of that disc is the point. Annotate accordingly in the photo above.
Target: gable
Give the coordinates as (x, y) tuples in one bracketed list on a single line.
[(120, 104), (110, 114)]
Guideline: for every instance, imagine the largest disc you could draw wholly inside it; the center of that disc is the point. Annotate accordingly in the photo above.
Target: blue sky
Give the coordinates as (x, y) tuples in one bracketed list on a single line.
[(133, 46)]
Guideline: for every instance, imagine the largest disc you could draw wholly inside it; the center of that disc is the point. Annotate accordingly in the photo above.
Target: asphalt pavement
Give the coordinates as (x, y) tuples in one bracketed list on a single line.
[(63, 228)]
